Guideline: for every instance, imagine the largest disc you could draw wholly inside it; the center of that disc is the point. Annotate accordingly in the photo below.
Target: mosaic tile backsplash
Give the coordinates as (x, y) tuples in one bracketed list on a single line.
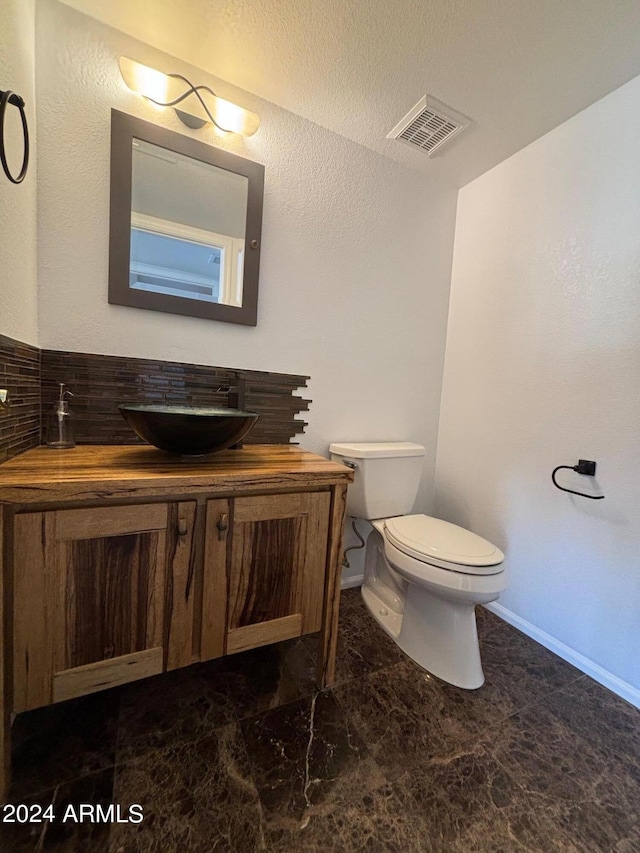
[(20, 375), (100, 383)]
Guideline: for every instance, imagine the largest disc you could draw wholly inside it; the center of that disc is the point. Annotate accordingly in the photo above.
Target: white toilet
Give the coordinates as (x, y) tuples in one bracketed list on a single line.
[(422, 576)]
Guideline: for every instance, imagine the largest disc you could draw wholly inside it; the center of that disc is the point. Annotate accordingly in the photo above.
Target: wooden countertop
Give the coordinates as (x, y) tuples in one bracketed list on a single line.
[(91, 472)]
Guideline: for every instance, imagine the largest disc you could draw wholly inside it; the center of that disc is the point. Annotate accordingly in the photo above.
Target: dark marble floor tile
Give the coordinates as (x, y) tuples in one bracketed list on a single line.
[(62, 742), (486, 622), (304, 754), (268, 677), (363, 646), (375, 823), (407, 717), (197, 796), (351, 599), (169, 709), (592, 796), (468, 803), (77, 831), (630, 843), (601, 718), (520, 668)]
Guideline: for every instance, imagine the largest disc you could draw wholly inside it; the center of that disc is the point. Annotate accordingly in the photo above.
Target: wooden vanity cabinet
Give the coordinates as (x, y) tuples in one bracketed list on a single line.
[(104, 596), (265, 559), (119, 563), (95, 594)]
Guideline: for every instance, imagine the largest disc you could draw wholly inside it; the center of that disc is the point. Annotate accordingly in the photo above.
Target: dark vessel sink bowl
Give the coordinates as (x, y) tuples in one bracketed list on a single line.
[(188, 430)]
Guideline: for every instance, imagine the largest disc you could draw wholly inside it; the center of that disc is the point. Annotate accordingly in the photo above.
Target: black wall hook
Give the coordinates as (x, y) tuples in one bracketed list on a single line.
[(5, 99), (584, 466)]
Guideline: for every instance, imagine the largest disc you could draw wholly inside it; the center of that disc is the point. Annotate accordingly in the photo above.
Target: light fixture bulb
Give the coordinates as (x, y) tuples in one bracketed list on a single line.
[(145, 81), (234, 118)]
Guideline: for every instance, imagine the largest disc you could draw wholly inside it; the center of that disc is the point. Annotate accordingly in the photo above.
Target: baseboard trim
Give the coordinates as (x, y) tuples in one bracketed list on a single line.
[(602, 676), (349, 582)]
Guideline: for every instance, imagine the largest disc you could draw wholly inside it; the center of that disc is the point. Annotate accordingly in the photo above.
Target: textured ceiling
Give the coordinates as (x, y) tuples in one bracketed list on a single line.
[(518, 68)]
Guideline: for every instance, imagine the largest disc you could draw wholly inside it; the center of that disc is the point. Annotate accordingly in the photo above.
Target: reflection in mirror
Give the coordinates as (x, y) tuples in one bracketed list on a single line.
[(185, 224)]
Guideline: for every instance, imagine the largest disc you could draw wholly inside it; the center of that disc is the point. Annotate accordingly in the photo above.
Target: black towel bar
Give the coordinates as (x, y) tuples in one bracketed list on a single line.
[(584, 466), (5, 99)]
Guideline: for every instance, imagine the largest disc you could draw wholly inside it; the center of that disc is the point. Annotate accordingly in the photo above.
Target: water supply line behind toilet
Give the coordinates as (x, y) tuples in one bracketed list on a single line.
[(345, 559)]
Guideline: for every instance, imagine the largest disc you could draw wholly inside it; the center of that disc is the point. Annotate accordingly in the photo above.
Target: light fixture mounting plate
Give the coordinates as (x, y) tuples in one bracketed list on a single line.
[(191, 121)]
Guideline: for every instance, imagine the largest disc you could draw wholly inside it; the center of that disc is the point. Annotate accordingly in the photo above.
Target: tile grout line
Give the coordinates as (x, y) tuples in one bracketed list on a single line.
[(538, 701)]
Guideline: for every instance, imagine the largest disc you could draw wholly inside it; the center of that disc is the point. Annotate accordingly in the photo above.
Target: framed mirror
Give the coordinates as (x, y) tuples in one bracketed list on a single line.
[(185, 224)]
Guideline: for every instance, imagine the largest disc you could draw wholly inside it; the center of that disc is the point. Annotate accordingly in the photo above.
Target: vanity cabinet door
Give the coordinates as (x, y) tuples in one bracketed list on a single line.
[(96, 598), (276, 554)]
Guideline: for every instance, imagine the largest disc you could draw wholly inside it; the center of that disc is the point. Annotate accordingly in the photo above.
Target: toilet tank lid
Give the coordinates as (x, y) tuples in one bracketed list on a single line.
[(372, 449)]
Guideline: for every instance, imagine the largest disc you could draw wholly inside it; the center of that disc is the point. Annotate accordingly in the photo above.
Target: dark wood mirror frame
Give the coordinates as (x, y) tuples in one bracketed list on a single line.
[(126, 128)]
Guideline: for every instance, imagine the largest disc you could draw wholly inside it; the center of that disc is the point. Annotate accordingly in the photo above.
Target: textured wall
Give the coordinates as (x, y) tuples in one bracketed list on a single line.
[(356, 253), (18, 288), (543, 367)]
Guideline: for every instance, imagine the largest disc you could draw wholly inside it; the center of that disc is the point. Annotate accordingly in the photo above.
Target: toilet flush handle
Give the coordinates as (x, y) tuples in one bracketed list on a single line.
[(350, 464)]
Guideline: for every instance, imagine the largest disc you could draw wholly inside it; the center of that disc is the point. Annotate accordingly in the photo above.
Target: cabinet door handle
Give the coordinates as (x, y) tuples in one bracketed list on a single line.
[(182, 527), (222, 526)]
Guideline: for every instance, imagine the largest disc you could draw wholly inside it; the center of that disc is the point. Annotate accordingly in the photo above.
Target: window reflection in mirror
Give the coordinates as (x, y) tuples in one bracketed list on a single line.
[(187, 226)]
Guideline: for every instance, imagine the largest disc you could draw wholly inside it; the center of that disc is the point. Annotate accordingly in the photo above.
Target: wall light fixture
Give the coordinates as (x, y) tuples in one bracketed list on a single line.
[(168, 90)]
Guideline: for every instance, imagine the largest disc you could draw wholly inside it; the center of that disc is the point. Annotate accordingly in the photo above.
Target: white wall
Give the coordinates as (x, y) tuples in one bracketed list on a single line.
[(18, 288), (543, 367), (356, 255)]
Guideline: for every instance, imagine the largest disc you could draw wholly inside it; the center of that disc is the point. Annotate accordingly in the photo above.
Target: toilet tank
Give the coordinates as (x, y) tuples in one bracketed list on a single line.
[(387, 476)]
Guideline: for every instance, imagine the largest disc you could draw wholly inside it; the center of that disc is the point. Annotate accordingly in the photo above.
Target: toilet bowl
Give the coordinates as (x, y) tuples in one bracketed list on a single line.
[(423, 576)]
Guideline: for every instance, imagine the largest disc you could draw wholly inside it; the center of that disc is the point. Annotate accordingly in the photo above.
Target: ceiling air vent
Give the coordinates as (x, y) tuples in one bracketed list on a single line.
[(429, 125)]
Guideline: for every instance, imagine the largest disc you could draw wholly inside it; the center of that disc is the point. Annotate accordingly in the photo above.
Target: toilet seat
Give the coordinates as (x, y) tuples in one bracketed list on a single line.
[(444, 545)]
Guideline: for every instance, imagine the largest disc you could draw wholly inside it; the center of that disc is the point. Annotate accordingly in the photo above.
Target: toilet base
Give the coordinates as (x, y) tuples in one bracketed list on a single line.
[(388, 619), (438, 635), (442, 637)]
